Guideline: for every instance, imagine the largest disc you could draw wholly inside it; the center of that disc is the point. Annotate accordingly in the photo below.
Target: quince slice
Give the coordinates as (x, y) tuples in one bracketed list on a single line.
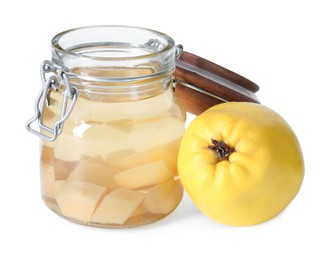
[(96, 173), (166, 152), (78, 200), (117, 206), (163, 198), (144, 175), (47, 181)]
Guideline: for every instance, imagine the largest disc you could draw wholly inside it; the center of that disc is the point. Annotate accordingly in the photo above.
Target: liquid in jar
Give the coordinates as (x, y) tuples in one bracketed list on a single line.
[(114, 164)]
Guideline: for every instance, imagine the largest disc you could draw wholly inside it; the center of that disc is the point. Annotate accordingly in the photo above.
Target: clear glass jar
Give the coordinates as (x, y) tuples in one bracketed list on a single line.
[(110, 126)]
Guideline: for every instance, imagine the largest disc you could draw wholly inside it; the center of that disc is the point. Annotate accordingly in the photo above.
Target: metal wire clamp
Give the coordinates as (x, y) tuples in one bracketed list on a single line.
[(58, 81)]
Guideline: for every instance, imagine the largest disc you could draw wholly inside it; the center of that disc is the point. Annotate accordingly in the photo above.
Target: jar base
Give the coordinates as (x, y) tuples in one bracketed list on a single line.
[(133, 222)]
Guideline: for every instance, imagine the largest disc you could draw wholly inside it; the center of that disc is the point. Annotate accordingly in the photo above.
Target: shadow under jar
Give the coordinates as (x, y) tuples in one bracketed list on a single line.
[(110, 126)]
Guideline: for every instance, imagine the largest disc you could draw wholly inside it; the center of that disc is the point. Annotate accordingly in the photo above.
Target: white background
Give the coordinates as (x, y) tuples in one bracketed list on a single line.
[(286, 47)]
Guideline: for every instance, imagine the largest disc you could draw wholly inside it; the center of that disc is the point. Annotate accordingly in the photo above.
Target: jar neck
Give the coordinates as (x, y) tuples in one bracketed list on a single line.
[(95, 88), (127, 61)]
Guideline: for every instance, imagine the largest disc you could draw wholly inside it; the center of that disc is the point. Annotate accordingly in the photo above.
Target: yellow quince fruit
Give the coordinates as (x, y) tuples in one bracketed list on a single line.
[(240, 163)]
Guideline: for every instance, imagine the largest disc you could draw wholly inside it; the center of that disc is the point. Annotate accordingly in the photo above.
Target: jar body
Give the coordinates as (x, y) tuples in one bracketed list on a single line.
[(114, 165), (114, 162)]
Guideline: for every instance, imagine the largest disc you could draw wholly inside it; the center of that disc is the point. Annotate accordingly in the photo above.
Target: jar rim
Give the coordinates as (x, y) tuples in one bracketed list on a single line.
[(57, 44)]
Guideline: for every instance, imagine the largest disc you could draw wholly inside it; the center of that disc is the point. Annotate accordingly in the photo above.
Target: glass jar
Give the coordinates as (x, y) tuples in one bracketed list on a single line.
[(110, 126)]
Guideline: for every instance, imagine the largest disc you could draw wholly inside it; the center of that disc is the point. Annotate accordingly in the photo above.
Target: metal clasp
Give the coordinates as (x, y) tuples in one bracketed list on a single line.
[(178, 51), (55, 82)]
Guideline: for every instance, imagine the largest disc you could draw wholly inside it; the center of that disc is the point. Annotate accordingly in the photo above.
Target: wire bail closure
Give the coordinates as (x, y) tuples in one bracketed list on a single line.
[(58, 81)]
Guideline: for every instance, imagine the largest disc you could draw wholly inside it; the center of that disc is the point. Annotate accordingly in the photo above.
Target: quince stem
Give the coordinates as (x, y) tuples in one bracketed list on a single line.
[(222, 150)]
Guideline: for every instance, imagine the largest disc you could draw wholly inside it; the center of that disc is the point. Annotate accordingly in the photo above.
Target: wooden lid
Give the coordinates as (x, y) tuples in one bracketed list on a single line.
[(201, 84)]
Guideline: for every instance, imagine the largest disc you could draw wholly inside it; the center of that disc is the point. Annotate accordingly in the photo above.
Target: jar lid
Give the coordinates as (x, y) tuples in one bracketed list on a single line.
[(200, 84)]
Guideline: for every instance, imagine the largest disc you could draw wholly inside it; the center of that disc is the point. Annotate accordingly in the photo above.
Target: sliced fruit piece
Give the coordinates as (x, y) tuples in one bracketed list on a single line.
[(47, 155), (113, 158), (144, 175), (47, 177), (93, 140), (155, 131), (79, 200), (58, 186), (96, 173), (166, 152), (64, 168), (117, 206), (163, 198)]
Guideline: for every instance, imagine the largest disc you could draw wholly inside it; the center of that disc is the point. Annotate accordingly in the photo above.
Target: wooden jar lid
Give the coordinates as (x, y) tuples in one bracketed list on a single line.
[(201, 84)]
